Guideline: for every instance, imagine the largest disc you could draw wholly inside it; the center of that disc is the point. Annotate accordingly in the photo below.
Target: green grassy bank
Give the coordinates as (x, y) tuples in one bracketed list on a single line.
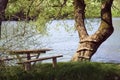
[(63, 71)]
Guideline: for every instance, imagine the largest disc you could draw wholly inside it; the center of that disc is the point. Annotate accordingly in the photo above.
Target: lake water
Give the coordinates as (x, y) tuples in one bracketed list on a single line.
[(63, 39), (66, 41)]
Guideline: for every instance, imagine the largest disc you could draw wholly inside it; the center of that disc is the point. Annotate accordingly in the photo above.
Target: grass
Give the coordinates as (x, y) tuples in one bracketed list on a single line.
[(64, 71)]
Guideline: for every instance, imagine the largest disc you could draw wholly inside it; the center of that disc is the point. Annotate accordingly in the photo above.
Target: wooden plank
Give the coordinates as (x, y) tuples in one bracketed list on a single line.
[(29, 51), (8, 59), (28, 67), (44, 58)]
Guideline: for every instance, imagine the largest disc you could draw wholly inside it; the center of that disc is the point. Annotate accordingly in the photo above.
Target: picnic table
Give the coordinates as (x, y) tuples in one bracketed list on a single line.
[(29, 54)]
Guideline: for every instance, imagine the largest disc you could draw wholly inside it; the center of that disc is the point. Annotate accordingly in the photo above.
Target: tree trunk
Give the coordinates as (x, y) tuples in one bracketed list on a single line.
[(90, 43), (3, 4)]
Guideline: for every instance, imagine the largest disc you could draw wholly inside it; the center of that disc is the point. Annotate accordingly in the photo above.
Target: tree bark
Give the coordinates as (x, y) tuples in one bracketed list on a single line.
[(90, 43), (3, 5)]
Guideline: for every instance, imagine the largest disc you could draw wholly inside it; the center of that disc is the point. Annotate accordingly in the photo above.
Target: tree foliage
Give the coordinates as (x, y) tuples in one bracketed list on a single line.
[(54, 9)]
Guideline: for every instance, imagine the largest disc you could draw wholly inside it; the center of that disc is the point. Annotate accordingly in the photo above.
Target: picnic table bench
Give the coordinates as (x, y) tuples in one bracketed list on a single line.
[(27, 62)]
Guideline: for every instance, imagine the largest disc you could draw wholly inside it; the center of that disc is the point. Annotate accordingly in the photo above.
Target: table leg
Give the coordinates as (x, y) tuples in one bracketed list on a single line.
[(36, 58), (28, 65)]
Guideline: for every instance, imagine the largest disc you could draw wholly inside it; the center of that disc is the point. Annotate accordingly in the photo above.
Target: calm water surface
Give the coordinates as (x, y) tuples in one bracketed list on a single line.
[(65, 40)]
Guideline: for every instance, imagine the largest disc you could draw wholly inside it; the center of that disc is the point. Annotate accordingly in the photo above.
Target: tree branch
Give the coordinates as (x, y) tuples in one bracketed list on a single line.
[(79, 18), (106, 26), (3, 5)]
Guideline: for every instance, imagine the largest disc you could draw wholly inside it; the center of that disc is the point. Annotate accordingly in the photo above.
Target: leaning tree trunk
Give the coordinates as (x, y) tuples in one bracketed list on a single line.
[(90, 43), (3, 4)]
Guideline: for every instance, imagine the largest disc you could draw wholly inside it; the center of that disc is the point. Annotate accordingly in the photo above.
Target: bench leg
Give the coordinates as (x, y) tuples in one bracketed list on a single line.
[(27, 66), (2, 63), (54, 62)]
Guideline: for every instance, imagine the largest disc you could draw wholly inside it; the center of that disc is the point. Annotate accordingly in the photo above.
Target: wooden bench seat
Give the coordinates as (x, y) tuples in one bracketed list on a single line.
[(8, 59), (28, 67), (4, 60)]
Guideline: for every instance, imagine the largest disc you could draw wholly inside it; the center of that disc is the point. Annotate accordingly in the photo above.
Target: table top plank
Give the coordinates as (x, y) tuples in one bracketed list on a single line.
[(29, 51)]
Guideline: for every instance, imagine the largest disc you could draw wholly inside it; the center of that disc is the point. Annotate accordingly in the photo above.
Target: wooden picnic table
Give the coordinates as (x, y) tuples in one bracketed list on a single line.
[(28, 55)]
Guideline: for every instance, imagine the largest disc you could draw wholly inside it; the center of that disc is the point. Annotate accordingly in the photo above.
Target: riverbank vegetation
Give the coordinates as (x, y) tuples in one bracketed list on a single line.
[(63, 71)]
